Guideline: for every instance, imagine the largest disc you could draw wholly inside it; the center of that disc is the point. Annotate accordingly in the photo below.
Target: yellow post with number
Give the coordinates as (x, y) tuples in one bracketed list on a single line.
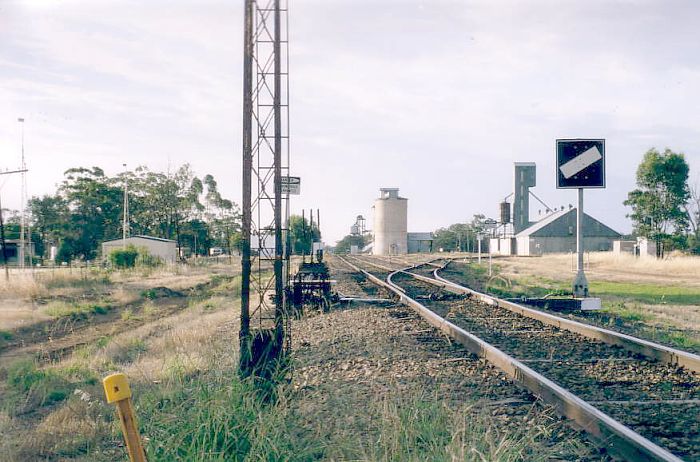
[(118, 391)]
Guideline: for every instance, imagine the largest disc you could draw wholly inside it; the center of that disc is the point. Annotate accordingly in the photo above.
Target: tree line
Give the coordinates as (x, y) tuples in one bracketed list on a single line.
[(665, 209), (88, 207)]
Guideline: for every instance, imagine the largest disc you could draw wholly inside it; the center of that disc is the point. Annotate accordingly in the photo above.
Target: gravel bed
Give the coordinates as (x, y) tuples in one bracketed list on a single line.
[(593, 370), (359, 354), (606, 320)]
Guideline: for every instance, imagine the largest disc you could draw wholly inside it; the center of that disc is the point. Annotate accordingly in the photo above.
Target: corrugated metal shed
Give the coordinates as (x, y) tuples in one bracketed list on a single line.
[(563, 223), (557, 233)]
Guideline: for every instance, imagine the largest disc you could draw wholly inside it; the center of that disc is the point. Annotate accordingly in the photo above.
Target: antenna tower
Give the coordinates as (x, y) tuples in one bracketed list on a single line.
[(264, 333)]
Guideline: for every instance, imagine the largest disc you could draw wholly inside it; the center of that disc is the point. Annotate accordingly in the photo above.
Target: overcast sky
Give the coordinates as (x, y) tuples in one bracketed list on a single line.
[(438, 98)]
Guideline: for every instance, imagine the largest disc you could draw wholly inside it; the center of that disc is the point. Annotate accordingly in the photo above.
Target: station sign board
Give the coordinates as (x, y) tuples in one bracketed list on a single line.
[(580, 163), (262, 246), (291, 185)]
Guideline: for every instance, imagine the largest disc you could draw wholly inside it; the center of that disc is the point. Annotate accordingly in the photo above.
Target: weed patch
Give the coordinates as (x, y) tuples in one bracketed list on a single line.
[(75, 311), (5, 337), (31, 386)]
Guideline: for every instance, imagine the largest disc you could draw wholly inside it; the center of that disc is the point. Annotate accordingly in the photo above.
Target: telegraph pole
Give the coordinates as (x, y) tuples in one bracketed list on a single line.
[(125, 220), (4, 247), (23, 199), (2, 228)]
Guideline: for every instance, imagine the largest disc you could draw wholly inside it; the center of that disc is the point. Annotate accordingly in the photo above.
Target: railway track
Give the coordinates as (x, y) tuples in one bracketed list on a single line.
[(631, 395)]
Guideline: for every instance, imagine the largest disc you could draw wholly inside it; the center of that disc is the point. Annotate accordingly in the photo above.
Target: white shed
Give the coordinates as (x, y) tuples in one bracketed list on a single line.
[(166, 249)]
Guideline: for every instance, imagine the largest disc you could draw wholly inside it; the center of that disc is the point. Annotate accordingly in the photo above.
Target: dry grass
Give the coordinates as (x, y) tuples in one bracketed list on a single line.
[(73, 428), (608, 266), (22, 286)]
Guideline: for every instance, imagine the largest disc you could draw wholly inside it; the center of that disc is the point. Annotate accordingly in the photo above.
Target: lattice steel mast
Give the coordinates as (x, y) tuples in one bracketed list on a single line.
[(265, 162)]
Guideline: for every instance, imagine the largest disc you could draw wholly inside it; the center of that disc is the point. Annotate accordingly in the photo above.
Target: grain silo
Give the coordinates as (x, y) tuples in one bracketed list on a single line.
[(390, 223)]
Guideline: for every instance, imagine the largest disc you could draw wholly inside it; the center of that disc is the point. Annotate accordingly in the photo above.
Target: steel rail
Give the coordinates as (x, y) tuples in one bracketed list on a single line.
[(619, 439), (646, 348)]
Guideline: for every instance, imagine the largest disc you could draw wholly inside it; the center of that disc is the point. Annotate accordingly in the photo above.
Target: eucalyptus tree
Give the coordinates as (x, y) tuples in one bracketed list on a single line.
[(658, 203)]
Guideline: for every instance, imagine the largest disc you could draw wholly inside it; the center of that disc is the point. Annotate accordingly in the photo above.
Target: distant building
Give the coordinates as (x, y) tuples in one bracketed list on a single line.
[(12, 251), (555, 233), (165, 249), (420, 242), (391, 236), (646, 248), (620, 247)]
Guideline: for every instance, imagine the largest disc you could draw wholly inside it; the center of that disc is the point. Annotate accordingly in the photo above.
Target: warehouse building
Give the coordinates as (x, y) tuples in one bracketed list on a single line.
[(165, 249), (555, 233), (12, 253)]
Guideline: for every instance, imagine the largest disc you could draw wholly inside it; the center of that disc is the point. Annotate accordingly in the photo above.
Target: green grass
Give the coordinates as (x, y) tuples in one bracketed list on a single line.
[(632, 313), (419, 428), (683, 341), (533, 286), (5, 337), (217, 417), (75, 310), (30, 385), (646, 293), (149, 294), (127, 314)]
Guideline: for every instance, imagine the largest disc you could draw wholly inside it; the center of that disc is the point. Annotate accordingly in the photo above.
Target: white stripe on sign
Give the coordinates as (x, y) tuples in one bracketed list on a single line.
[(580, 162)]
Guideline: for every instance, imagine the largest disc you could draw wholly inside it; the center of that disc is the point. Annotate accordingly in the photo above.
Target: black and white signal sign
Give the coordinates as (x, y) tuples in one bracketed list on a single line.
[(580, 163)]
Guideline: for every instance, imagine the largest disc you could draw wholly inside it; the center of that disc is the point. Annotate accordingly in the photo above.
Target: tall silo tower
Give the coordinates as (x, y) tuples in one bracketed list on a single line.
[(390, 223), (525, 178)]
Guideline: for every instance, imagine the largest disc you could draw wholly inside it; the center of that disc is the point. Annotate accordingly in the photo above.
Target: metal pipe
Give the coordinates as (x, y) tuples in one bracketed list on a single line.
[(580, 286)]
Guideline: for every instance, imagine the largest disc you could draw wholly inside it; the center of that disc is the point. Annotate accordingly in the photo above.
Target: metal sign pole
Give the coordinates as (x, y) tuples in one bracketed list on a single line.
[(580, 287), (478, 239)]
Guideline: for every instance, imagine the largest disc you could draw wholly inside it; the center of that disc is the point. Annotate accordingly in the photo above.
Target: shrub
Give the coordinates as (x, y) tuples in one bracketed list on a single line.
[(32, 386), (124, 258), (145, 259)]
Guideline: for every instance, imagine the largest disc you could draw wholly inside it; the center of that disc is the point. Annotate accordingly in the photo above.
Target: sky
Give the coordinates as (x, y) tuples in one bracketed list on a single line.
[(437, 98)]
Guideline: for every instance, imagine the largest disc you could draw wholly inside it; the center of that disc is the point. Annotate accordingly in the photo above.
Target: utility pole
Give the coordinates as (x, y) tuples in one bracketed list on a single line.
[(4, 247), (125, 220), (23, 199), (2, 228)]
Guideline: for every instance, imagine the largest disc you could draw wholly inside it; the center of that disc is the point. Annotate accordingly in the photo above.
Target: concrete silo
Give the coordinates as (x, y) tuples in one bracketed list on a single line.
[(390, 223)]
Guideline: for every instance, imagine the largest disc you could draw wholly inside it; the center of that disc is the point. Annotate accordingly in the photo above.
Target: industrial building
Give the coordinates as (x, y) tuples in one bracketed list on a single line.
[(555, 233), (391, 236), (165, 249), (12, 253)]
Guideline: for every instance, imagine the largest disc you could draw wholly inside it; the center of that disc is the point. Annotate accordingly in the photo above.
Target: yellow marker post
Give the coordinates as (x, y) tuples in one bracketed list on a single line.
[(118, 391)]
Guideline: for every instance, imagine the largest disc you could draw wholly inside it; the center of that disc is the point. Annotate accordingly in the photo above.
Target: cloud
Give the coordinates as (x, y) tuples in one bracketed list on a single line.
[(438, 98)]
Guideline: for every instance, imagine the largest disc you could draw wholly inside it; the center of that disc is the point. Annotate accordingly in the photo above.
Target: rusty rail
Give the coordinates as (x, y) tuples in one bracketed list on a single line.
[(619, 439)]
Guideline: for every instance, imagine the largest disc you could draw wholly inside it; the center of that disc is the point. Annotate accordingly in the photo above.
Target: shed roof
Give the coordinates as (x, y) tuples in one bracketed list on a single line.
[(420, 236), (149, 238), (558, 223)]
